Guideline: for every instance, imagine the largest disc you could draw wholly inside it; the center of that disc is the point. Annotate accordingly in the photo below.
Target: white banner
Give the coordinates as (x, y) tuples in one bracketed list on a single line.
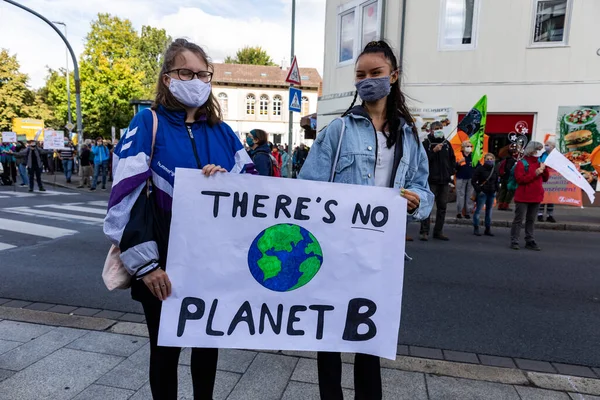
[(425, 115), (282, 264), (567, 169), (54, 140), (9, 137)]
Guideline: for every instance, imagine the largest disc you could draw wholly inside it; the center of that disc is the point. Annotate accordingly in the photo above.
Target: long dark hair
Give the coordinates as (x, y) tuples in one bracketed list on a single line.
[(396, 108), (165, 98)]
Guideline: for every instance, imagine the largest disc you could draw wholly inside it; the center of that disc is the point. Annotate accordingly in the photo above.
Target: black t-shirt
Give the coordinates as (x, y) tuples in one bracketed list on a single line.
[(85, 157)]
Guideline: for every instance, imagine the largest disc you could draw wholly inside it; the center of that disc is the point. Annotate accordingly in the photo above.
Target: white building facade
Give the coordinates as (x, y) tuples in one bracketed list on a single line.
[(257, 97), (528, 56)]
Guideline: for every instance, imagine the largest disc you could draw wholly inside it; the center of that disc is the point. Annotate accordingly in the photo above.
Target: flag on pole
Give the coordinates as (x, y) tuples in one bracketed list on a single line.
[(472, 128)]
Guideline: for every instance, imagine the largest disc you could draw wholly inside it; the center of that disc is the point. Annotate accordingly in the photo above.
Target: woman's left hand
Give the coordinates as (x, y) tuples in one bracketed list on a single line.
[(211, 169), (412, 198)]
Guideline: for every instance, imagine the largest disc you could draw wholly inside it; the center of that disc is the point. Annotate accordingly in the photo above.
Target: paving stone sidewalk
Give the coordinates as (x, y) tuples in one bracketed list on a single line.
[(57, 362)]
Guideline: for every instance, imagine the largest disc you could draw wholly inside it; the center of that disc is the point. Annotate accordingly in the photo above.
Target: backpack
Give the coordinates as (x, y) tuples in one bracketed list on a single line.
[(275, 169), (512, 182)]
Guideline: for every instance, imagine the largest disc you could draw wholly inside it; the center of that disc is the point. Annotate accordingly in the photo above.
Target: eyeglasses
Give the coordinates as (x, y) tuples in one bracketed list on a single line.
[(185, 74)]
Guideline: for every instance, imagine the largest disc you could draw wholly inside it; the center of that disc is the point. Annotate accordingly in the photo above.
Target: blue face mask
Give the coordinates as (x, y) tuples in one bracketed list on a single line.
[(489, 163), (373, 89), (249, 141)]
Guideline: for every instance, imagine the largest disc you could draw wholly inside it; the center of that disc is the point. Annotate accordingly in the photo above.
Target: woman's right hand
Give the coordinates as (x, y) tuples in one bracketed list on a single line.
[(159, 284)]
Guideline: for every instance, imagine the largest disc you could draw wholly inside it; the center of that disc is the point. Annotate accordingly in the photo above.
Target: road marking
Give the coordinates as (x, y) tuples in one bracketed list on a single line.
[(34, 194), (5, 246), (99, 203), (69, 207), (34, 229), (62, 216)]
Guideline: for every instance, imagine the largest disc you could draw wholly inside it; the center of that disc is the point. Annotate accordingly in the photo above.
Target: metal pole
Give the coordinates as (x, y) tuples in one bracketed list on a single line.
[(75, 65), (291, 114), (68, 76)]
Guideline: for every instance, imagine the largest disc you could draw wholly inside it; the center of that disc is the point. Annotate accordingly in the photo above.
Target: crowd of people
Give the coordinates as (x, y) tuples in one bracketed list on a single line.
[(93, 162), (271, 159)]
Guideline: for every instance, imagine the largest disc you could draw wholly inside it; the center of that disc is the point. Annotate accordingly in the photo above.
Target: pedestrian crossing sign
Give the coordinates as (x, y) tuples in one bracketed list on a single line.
[(295, 100)]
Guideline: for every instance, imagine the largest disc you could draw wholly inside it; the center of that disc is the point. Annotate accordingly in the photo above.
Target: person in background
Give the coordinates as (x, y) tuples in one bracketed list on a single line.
[(285, 158), (101, 156), (277, 162), (549, 208), (260, 152), (67, 155), (530, 174), (21, 161), (464, 188), (505, 195), (485, 183), (442, 164), (33, 154), (86, 166)]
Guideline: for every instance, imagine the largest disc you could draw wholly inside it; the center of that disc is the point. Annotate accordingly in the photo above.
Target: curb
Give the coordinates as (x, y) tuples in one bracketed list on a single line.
[(572, 227), (516, 374)]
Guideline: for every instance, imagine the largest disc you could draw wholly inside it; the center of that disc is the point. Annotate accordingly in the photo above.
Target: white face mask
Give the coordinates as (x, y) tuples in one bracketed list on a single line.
[(539, 153), (468, 150), (438, 134), (192, 93)]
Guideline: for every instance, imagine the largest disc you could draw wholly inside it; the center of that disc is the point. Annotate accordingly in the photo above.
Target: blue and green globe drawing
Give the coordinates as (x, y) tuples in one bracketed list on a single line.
[(284, 257)]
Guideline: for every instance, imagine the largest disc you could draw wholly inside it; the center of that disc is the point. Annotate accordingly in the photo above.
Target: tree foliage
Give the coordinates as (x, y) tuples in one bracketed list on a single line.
[(152, 45), (251, 55)]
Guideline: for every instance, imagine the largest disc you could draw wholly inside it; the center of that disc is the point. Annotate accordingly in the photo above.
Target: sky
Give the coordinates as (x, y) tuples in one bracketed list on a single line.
[(220, 26)]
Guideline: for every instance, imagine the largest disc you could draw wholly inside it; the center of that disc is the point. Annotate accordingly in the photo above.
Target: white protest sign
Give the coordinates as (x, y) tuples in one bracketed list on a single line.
[(54, 140), (9, 137), (567, 169), (282, 264)]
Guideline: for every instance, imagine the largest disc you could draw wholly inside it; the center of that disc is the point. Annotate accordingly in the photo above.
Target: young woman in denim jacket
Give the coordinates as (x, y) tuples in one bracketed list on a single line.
[(380, 147)]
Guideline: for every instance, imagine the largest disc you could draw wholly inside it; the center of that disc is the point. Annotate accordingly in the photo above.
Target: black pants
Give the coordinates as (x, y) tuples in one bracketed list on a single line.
[(441, 201), (528, 212), (164, 362), (367, 377), (38, 175)]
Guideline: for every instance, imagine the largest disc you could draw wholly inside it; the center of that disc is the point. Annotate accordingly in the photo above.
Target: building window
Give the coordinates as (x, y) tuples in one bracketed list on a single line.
[(224, 103), (264, 105), (250, 103), (359, 22), (550, 22), (458, 24), (277, 100), (370, 23), (277, 138), (305, 106), (347, 33)]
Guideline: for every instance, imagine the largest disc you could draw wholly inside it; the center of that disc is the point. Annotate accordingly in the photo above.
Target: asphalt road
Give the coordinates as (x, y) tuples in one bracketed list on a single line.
[(469, 294)]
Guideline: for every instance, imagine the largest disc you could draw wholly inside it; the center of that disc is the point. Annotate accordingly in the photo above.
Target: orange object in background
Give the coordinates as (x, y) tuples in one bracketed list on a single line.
[(595, 159), (560, 191), (459, 138)]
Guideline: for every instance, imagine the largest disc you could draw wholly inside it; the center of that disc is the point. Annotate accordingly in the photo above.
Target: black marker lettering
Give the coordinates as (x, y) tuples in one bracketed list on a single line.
[(354, 319), (257, 205), (300, 206), (241, 204), (211, 316), (266, 313), (293, 319), (282, 203), (384, 216), (331, 216), (185, 314), (244, 314), (320, 309), (364, 215), (217, 195)]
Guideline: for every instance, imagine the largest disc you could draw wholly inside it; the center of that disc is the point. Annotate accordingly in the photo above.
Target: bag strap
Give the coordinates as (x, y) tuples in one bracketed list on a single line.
[(154, 129), (339, 148)]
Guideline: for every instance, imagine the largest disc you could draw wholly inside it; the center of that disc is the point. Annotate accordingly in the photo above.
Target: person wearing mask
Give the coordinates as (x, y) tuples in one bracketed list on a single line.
[(379, 131), (485, 183), (67, 155), (530, 174), (505, 195), (464, 188), (101, 156), (21, 161), (190, 133), (547, 208), (442, 164), (33, 156), (285, 158), (277, 164), (260, 152), (86, 167)]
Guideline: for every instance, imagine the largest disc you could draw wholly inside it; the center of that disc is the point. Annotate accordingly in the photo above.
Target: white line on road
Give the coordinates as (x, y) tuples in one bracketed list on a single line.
[(69, 207), (34, 229), (46, 193), (99, 203), (35, 211), (5, 246)]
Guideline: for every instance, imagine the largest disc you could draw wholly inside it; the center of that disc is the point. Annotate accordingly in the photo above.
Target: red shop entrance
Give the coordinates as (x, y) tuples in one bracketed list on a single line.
[(498, 126)]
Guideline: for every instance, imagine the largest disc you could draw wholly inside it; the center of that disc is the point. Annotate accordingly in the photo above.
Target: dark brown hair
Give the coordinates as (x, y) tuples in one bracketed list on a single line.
[(396, 108), (261, 136), (165, 98)]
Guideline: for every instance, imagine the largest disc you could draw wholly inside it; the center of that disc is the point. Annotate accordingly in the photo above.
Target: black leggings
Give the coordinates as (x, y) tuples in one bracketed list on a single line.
[(164, 362), (367, 376)]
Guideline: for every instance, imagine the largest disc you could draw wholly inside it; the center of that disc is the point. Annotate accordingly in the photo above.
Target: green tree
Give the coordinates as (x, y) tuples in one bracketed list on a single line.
[(152, 45), (54, 96), (14, 93), (251, 55)]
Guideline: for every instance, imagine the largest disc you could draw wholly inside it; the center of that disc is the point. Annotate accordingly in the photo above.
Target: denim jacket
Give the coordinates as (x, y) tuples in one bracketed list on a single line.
[(356, 164)]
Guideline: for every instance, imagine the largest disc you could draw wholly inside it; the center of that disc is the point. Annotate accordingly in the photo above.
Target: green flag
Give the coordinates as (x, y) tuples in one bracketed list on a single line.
[(473, 124)]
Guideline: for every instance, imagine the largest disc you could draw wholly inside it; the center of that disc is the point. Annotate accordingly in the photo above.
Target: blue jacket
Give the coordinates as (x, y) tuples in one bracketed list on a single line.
[(101, 154), (125, 224), (356, 164), (261, 159)]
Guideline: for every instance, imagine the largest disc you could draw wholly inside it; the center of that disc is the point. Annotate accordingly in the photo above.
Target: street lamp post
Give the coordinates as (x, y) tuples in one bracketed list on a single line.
[(75, 65), (68, 77), (291, 114)]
